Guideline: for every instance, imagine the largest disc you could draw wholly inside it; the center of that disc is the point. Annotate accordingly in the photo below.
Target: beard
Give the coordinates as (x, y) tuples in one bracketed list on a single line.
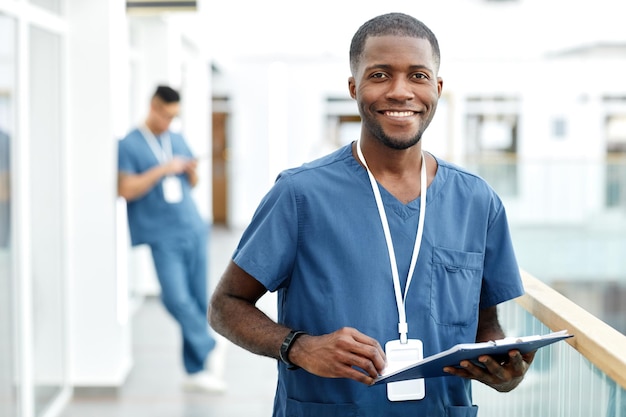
[(392, 142), (396, 143)]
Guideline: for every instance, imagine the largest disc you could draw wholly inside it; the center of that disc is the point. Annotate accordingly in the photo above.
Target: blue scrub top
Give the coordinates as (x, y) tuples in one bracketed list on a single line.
[(317, 239), (150, 218)]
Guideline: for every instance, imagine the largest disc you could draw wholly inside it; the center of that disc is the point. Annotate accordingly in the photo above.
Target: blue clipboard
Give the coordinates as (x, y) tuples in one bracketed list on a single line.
[(432, 366)]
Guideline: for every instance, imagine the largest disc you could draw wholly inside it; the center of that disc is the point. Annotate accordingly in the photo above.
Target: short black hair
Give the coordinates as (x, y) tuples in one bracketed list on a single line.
[(396, 24), (167, 94)]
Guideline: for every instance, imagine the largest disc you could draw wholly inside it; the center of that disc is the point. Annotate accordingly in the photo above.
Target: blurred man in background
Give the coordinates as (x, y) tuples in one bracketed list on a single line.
[(157, 172)]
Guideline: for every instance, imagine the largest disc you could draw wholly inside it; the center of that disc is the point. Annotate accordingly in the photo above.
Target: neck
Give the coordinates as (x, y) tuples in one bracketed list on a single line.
[(383, 161), (148, 123), (398, 171)]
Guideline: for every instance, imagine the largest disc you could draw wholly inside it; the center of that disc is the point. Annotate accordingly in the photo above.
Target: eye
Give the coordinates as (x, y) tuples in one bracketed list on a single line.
[(420, 76), (379, 75)]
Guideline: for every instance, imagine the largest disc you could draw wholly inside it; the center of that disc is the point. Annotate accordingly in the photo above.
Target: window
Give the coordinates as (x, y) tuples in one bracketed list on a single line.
[(615, 133), (343, 123), (492, 131)]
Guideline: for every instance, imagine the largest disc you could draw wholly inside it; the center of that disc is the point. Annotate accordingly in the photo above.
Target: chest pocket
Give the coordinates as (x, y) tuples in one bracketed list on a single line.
[(455, 286)]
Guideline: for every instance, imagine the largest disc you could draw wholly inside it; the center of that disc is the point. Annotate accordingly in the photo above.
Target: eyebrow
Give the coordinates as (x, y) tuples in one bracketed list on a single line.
[(387, 67)]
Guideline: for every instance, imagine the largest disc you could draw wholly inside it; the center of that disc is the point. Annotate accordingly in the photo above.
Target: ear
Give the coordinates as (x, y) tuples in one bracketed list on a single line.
[(154, 104), (439, 86), (352, 87)]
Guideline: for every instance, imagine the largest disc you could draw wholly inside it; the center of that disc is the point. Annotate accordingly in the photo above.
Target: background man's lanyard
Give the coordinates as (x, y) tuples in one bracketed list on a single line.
[(161, 153), (403, 327)]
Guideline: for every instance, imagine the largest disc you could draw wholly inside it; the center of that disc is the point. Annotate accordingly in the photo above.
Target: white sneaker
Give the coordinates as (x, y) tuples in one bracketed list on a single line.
[(204, 381)]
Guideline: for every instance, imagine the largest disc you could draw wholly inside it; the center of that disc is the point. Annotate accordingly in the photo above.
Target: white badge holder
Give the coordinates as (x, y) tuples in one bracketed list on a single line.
[(172, 189), (400, 355)]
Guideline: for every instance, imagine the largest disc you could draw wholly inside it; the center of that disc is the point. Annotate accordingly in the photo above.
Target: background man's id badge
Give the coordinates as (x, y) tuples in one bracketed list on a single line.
[(398, 356), (172, 189)]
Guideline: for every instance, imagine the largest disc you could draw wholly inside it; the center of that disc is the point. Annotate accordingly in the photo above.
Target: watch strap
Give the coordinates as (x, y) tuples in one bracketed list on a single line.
[(286, 346)]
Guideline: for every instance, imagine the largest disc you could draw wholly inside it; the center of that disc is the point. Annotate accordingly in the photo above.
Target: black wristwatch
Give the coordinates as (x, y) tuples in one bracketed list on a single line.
[(283, 353)]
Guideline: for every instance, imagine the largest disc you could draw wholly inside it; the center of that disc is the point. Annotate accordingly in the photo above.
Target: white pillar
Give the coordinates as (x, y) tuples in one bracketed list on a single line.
[(98, 93)]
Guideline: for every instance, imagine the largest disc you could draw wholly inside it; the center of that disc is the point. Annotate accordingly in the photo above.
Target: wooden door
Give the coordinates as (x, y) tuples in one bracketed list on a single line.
[(220, 169)]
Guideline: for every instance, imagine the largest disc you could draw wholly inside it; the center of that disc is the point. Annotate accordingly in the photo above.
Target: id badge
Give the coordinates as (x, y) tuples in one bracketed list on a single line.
[(400, 355), (172, 189)]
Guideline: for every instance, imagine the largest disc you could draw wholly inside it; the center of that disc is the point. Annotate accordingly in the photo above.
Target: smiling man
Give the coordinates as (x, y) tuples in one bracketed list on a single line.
[(378, 251)]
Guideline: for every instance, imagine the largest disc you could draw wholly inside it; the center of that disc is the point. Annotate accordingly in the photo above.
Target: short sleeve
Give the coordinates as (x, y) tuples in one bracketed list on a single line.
[(502, 279), (268, 246), (125, 161)]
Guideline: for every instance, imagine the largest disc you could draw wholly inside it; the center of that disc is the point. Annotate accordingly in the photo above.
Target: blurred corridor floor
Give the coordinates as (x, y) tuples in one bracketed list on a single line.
[(153, 387)]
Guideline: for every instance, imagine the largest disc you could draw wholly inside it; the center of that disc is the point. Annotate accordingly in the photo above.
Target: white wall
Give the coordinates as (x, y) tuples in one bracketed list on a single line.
[(97, 105)]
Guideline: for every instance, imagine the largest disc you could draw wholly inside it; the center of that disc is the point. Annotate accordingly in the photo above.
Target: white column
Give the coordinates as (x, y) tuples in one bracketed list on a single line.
[(98, 93)]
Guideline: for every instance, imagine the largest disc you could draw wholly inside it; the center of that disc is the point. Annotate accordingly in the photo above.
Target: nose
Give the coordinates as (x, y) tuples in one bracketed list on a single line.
[(400, 90)]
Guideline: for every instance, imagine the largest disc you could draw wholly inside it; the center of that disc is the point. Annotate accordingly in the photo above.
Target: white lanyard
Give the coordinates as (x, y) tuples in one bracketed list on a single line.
[(161, 153), (403, 327)]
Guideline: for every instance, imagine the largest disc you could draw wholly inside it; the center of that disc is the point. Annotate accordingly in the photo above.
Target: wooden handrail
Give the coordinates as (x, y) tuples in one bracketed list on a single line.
[(601, 344)]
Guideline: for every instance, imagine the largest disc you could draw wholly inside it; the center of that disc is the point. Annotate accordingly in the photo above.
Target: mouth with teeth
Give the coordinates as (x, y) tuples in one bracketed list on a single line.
[(399, 113)]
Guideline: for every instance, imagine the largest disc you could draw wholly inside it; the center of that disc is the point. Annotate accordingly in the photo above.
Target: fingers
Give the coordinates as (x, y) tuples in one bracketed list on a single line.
[(502, 375), (191, 164), (358, 350), (371, 350), (178, 165), (368, 360), (345, 353)]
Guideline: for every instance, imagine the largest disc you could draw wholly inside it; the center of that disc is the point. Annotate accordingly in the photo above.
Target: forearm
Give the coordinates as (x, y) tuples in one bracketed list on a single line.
[(245, 325), (234, 314), (488, 325), (132, 187)]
